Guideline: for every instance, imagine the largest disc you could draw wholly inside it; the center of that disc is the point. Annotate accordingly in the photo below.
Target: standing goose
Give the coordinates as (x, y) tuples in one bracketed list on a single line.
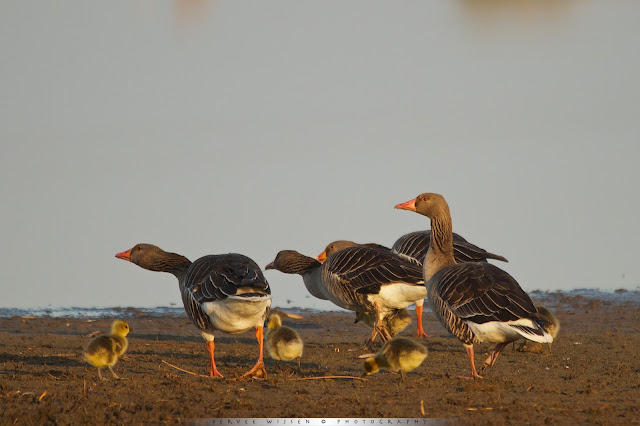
[(476, 302), (225, 292), (358, 278), (413, 247)]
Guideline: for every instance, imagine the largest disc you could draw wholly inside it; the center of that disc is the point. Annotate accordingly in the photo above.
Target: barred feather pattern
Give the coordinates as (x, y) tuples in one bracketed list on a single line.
[(353, 273), (414, 247), (216, 277), (479, 293)]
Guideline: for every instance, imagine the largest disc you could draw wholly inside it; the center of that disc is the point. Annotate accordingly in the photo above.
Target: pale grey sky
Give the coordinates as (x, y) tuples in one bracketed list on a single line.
[(255, 127)]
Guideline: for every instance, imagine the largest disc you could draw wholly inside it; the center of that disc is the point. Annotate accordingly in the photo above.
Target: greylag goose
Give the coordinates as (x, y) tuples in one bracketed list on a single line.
[(104, 350), (283, 343), (476, 302), (225, 292), (399, 354), (395, 322), (358, 279), (413, 247)]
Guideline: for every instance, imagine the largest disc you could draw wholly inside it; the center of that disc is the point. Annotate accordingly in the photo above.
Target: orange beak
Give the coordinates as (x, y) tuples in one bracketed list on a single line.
[(125, 255), (322, 257), (409, 205)]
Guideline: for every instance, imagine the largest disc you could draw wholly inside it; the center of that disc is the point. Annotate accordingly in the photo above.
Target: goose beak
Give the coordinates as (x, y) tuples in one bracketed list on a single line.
[(409, 205), (125, 255), (322, 257), (270, 266)]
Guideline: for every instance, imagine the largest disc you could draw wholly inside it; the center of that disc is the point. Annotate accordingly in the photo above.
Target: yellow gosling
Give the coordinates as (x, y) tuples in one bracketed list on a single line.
[(104, 350), (394, 323), (398, 354), (283, 343)]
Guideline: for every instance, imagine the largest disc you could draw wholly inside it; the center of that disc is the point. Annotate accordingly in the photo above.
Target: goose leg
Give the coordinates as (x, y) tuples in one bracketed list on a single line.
[(213, 372), (493, 356), (378, 327), (474, 373), (259, 367), (420, 333), (99, 373)]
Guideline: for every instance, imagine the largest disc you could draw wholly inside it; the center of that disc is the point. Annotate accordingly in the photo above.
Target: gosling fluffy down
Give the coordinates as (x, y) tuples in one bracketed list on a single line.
[(394, 322), (398, 354), (104, 350), (283, 343)]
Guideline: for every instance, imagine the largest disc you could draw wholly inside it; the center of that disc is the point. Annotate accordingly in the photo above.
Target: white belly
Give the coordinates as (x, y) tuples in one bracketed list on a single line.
[(498, 332), (398, 296), (235, 315)]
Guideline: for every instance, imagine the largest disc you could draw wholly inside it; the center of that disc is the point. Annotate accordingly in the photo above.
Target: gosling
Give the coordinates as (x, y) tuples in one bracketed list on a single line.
[(398, 354), (283, 343), (549, 323), (104, 350), (394, 323)]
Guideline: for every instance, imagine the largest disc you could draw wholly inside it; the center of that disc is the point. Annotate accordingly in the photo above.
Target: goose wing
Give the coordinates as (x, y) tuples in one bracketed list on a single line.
[(366, 269), (414, 246), (481, 292), (217, 277)]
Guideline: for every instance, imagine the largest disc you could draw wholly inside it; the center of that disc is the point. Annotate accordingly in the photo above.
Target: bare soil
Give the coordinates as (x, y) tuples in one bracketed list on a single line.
[(591, 377)]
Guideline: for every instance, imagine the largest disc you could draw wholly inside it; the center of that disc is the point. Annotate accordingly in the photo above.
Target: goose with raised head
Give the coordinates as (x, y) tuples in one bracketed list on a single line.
[(105, 349), (225, 292), (475, 301), (358, 279)]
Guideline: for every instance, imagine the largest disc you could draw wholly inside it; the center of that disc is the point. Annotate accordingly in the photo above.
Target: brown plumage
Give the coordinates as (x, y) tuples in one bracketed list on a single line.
[(225, 292), (476, 302)]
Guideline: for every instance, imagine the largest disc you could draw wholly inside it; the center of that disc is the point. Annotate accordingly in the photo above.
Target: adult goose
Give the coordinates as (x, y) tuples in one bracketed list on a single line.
[(476, 302), (225, 292), (361, 279), (413, 247)]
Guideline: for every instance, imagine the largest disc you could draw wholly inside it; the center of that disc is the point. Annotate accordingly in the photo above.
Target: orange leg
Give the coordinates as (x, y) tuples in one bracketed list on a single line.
[(213, 372), (259, 367), (474, 373), (493, 356), (420, 333)]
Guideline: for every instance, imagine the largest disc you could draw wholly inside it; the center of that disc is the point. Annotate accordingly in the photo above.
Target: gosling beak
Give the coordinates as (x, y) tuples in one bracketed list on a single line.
[(270, 266), (409, 205)]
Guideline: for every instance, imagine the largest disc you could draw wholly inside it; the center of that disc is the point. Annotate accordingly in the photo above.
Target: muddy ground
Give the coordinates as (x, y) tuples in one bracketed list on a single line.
[(592, 376)]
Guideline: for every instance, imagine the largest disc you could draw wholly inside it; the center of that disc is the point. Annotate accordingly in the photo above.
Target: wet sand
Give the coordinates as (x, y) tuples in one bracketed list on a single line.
[(591, 377)]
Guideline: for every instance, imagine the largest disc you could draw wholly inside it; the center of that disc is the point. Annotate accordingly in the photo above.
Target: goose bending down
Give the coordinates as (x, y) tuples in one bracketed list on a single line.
[(550, 323), (358, 279), (283, 343), (399, 354), (395, 322), (225, 292), (413, 247), (476, 302), (104, 350)]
